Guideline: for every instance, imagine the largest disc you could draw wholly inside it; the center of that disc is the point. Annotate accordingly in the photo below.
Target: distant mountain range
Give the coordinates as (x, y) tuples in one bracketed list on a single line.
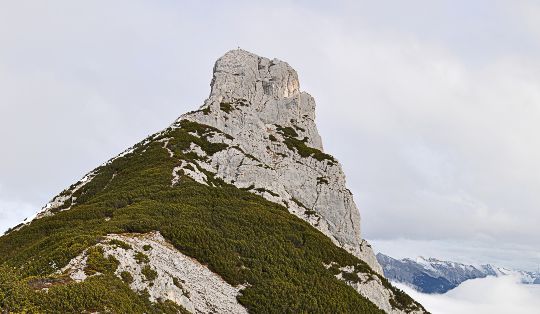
[(430, 275)]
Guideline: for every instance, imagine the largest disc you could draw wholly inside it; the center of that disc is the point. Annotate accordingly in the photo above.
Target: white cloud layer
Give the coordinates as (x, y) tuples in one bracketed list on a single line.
[(490, 295), (432, 107)]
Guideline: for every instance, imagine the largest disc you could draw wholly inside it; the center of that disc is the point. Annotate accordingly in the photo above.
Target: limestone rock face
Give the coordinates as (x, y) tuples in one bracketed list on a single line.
[(275, 149)]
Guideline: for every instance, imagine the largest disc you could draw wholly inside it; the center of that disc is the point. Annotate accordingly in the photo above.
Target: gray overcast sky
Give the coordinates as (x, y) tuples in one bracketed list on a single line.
[(433, 107)]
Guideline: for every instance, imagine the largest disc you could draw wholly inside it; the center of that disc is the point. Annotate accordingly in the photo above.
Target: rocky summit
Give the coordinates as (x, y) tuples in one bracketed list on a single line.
[(234, 208), (276, 150)]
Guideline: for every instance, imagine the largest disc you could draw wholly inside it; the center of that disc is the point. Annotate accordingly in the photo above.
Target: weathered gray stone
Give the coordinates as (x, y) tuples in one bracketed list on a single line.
[(251, 98), (180, 278)]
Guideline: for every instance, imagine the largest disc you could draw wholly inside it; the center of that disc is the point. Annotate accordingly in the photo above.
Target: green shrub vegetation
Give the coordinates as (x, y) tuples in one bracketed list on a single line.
[(177, 282), (147, 247), (120, 244), (286, 131), (96, 262), (225, 106), (350, 276), (126, 277), (298, 203), (101, 293), (149, 273), (293, 143), (238, 235), (141, 258), (322, 180), (263, 190)]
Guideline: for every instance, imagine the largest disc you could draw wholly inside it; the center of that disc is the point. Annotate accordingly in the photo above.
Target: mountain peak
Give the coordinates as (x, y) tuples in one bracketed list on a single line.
[(237, 195), (258, 103), (240, 74), (249, 91)]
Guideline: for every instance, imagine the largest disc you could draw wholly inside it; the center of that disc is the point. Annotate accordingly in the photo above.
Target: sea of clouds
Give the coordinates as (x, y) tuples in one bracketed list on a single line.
[(490, 295)]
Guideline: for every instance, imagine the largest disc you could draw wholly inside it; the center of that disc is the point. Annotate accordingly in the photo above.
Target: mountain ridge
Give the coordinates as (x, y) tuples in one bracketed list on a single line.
[(274, 90), (239, 188), (431, 275)]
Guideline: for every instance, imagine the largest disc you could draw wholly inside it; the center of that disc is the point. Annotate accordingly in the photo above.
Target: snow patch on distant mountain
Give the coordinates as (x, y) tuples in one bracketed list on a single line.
[(430, 275)]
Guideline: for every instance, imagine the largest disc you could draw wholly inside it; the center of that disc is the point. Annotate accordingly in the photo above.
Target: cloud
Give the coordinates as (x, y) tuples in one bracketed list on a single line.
[(433, 147), (490, 295)]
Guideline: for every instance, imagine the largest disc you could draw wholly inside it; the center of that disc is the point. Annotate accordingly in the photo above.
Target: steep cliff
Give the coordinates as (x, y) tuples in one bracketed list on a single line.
[(276, 150)]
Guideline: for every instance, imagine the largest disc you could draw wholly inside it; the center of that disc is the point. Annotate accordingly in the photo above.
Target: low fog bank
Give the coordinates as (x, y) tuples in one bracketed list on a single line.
[(487, 295)]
